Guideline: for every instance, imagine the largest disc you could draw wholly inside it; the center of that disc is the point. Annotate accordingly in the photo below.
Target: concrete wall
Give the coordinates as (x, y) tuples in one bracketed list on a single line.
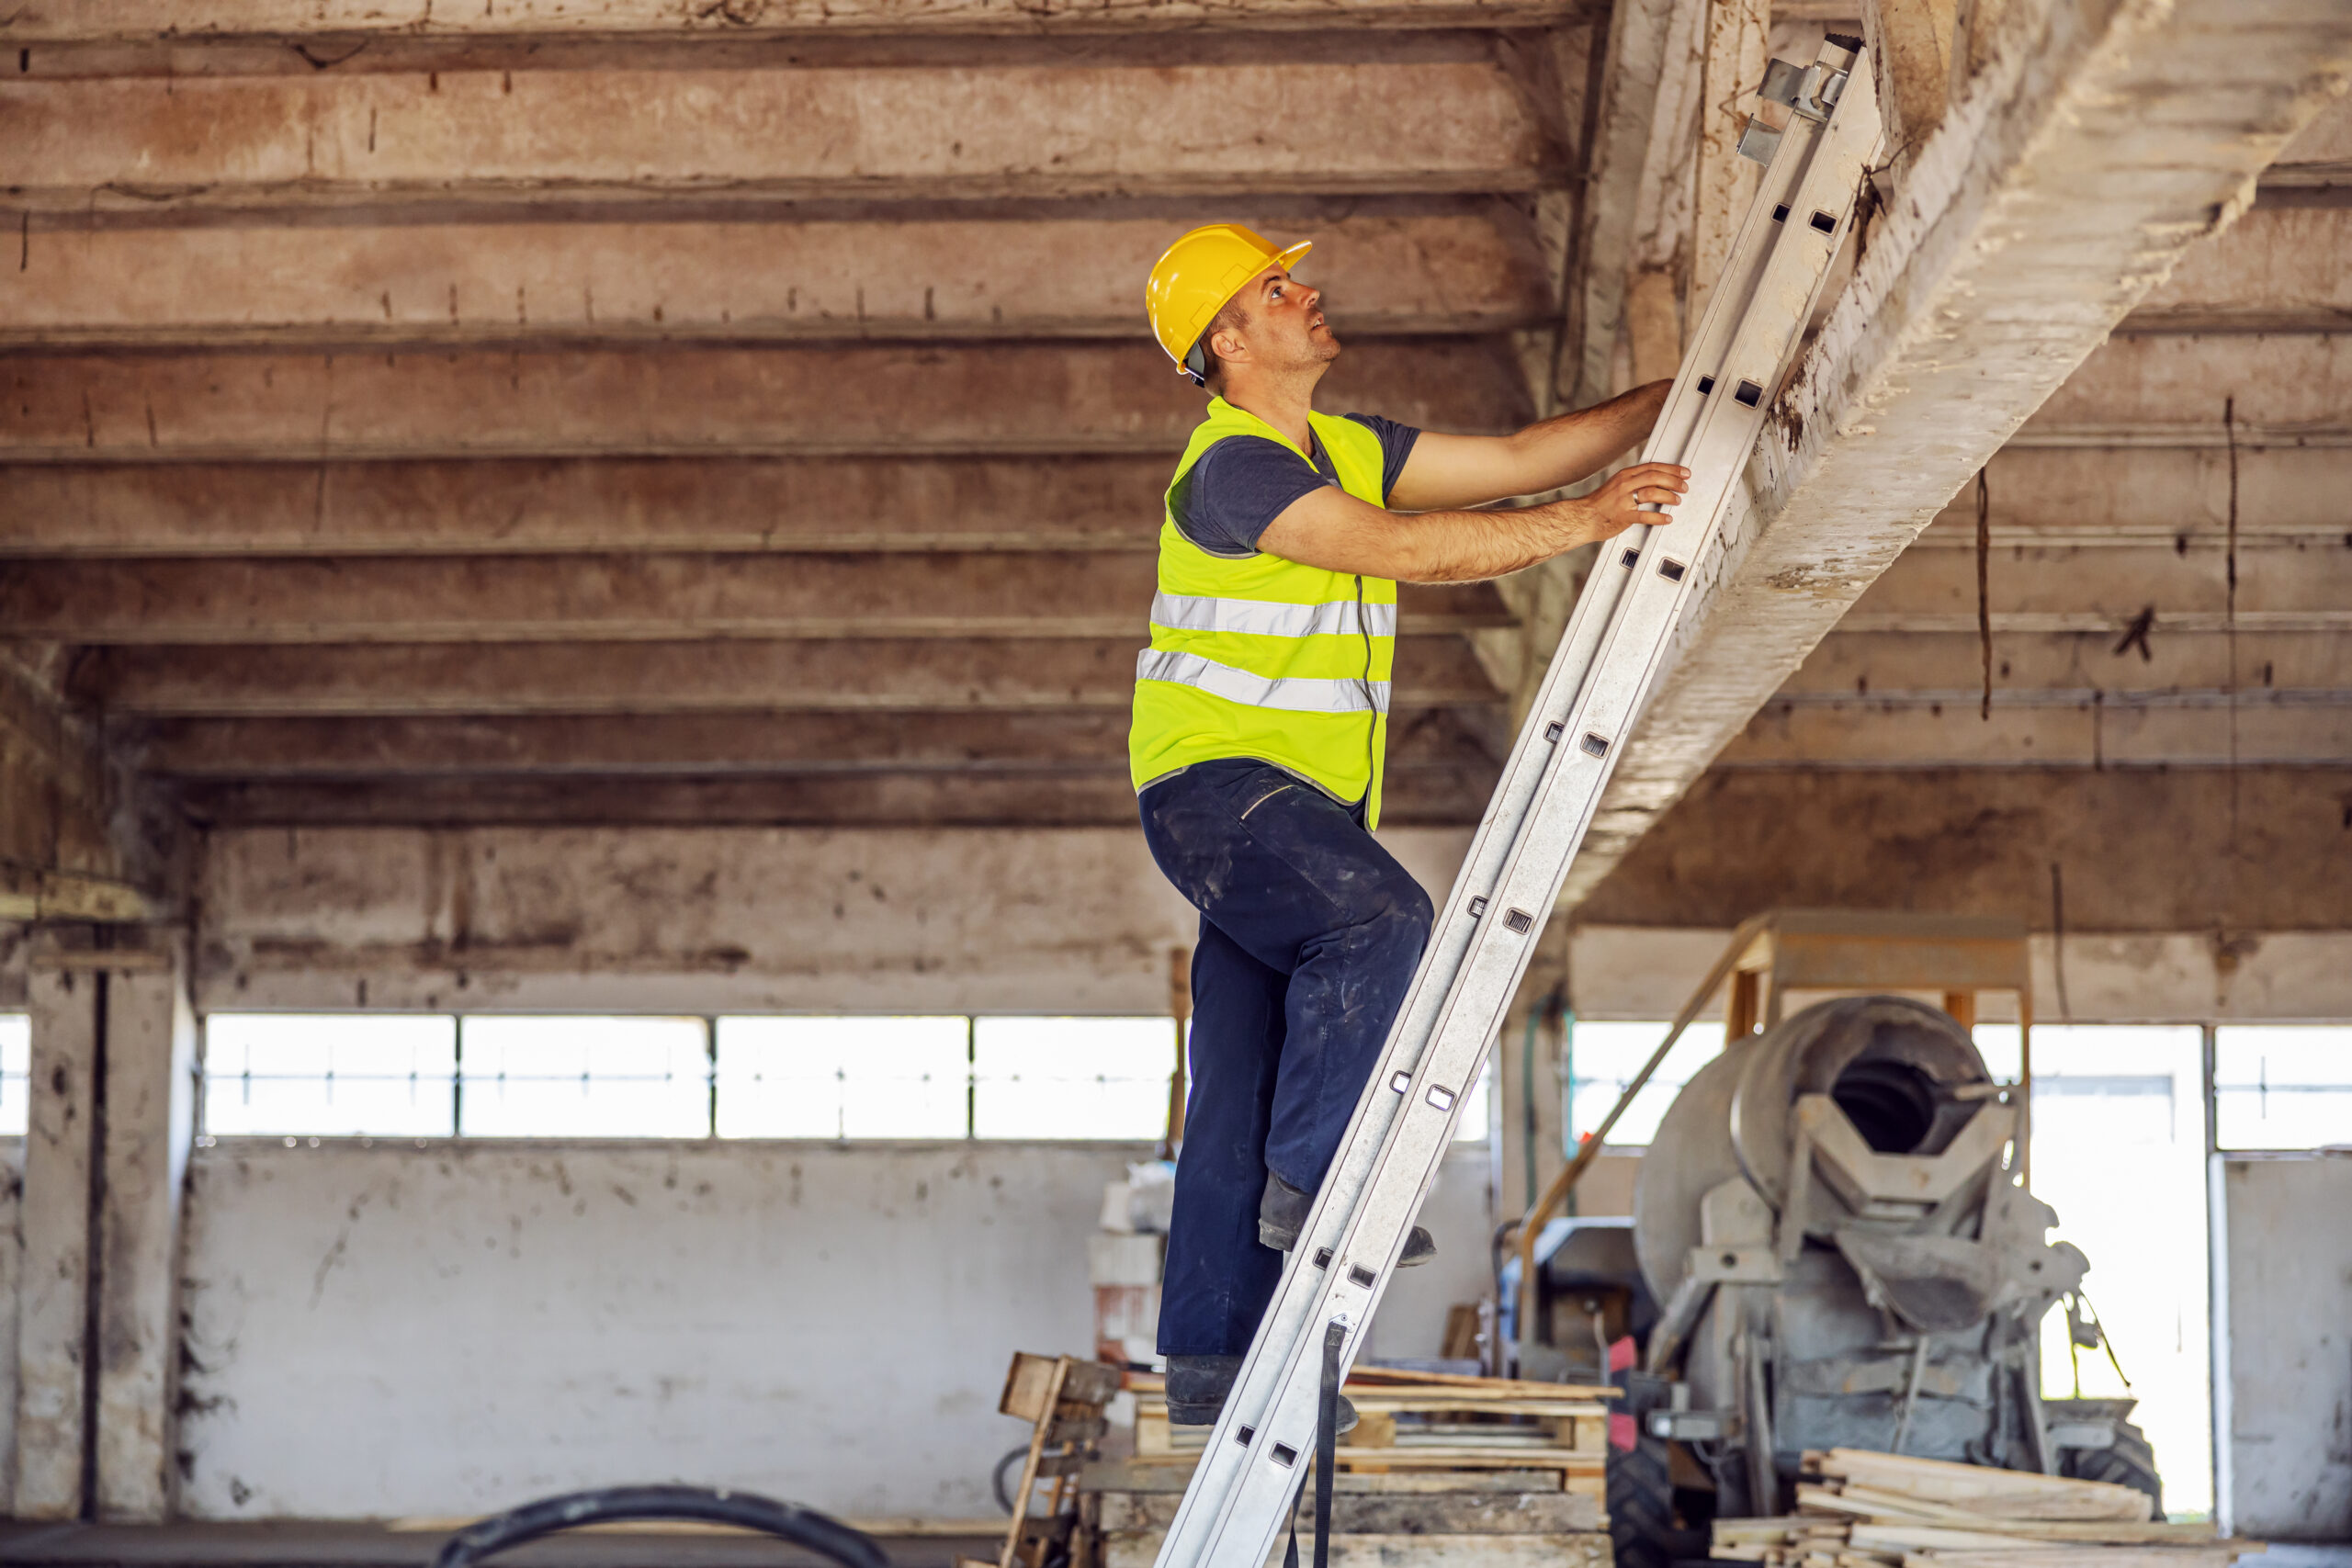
[(692, 920), (391, 1330), (2285, 1403)]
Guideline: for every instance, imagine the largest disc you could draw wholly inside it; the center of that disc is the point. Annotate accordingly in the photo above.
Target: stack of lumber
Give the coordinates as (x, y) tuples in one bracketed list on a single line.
[(1463, 1519), (1412, 1421), (1857, 1509)]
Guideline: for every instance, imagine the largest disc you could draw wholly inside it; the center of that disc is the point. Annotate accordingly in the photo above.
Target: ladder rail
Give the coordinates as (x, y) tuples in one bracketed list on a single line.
[(1484, 941)]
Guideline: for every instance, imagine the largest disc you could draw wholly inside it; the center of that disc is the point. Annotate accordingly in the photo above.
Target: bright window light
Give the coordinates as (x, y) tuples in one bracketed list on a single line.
[(15, 1072), (843, 1077), (585, 1078), (1605, 1057), (2282, 1085), (1071, 1078), (2119, 1151), (328, 1074)]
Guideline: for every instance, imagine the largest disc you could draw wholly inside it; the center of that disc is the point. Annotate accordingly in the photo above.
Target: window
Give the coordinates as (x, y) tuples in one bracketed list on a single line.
[(584, 1077), (1071, 1078), (415, 1076), (2282, 1085), (1605, 1056), (15, 1072), (2119, 1151), (330, 1075), (843, 1077)]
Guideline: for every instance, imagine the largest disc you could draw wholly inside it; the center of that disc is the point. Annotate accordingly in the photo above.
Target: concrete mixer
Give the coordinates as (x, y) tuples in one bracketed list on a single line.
[(1833, 1247)]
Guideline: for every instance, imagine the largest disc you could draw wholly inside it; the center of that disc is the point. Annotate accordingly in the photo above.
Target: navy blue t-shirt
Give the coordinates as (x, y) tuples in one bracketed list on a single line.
[(1243, 482)]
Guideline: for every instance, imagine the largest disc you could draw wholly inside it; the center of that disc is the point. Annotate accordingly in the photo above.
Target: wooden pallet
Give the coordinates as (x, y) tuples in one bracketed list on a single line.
[(1062, 1398), (1448, 1422)]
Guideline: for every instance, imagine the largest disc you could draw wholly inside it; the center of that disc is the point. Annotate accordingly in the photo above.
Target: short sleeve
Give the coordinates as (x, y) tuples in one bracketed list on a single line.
[(1395, 446), (1235, 490)]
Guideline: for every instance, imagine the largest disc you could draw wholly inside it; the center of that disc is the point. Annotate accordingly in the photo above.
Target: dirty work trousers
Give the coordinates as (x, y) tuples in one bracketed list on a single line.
[(1309, 934)]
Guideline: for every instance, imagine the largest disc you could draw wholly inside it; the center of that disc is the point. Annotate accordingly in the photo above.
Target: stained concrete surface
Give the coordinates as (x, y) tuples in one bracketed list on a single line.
[(316, 1545)]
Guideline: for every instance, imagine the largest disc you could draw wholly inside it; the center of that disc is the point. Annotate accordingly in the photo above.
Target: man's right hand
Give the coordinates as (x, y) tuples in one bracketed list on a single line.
[(1617, 505)]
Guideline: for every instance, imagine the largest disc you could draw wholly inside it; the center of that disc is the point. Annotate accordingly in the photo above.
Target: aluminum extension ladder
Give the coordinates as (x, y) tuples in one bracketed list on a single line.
[(1257, 1459)]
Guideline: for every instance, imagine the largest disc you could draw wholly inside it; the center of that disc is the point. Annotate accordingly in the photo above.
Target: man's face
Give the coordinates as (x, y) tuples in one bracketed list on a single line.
[(1285, 330)]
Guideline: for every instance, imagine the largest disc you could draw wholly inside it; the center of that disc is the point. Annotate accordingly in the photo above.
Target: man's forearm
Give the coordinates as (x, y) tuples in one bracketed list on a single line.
[(1576, 445)]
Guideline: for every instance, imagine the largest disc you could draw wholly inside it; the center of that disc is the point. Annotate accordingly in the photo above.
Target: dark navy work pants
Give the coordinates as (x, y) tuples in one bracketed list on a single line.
[(1310, 933)]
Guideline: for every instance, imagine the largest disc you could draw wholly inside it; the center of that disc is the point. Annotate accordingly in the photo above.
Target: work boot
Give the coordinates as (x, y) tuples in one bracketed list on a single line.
[(1282, 1215), (1197, 1387)]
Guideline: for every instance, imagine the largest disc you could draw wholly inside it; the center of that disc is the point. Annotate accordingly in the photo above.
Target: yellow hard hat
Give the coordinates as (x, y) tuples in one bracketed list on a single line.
[(1192, 281)]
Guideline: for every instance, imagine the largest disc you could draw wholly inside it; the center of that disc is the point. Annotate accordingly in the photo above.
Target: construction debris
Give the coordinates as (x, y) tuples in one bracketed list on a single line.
[(1858, 1509)]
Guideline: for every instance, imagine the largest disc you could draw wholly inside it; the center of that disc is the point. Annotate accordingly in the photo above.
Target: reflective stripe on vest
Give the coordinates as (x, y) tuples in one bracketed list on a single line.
[(1263, 658), (1292, 693), (1258, 618)]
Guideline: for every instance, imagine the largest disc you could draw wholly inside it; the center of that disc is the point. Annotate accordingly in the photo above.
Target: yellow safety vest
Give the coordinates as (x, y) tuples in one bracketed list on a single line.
[(1263, 657)]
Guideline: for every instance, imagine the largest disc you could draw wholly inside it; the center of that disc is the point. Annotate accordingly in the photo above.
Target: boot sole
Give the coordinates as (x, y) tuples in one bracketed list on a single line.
[(1281, 1243)]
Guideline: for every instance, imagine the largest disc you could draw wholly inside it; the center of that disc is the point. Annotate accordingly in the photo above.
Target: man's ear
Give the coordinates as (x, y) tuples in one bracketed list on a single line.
[(1227, 344)]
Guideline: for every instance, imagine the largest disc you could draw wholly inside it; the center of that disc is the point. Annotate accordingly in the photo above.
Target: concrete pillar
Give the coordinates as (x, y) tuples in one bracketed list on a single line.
[(105, 1158), (53, 1314), (149, 1124)]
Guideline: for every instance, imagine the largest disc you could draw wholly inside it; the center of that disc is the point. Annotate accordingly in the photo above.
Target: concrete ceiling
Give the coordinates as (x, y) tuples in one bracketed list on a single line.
[(629, 411)]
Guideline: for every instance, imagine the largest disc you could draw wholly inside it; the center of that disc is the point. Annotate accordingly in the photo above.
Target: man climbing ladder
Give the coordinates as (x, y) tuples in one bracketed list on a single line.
[(1261, 720)]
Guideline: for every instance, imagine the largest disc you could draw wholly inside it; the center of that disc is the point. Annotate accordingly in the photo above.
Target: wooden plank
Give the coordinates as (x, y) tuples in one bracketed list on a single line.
[(1132, 1548), (1428, 1513)]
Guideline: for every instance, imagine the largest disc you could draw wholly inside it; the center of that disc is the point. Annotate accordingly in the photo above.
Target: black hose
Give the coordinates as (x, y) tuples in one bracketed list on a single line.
[(787, 1521), (1000, 1482)]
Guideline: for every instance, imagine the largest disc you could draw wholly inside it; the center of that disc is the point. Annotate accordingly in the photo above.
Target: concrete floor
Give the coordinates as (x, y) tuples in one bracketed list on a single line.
[(308, 1545)]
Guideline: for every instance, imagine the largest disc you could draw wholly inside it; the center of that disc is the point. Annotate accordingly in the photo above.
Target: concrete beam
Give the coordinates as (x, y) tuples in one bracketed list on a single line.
[(2086, 496), (607, 505), (2078, 728), (2251, 848), (1090, 797), (2088, 149), (1891, 663), (1644, 144), (1644, 972), (749, 919), (2277, 269), (67, 21), (996, 675), (1448, 119), (2110, 585), (2172, 387), (1443, 267), (961, 744), (77, 839), (1046, 399), (623, 598)]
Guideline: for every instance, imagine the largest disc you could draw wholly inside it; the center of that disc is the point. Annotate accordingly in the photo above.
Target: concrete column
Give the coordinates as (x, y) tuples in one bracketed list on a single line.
[(53, 1321), (110, 1123), (149, 1125)]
